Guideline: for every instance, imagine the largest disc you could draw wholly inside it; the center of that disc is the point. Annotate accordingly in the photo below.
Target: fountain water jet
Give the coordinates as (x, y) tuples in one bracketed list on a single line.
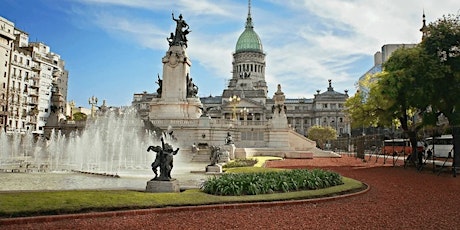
[(109, 144)]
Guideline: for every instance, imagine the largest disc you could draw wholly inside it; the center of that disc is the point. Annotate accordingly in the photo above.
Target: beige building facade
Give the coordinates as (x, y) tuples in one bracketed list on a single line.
[(6, 43), (30, 73)]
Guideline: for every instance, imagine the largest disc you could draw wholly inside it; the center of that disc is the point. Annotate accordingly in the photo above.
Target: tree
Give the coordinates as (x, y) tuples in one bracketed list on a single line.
[(396, 96), (409, 89), (360, 113), (321, 134), (80, 116), (442, 43)]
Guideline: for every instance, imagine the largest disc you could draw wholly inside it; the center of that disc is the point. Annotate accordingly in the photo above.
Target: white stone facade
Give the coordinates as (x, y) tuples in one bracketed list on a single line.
[(27, 81), (6, 42)]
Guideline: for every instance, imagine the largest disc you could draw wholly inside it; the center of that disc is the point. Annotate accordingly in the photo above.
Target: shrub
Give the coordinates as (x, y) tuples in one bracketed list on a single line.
[(237, 184), (240, 163)]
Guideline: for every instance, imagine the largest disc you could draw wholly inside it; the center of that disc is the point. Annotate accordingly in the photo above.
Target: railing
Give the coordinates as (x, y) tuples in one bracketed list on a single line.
[(212, 123), (175, 122), (252, 123)]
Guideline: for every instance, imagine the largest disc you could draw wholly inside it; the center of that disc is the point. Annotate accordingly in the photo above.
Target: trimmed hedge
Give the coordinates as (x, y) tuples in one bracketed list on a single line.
[(237, 184), (240, 163)]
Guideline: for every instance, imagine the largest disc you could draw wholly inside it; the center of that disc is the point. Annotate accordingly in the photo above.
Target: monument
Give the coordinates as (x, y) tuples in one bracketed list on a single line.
[(176, 93), (163, 160), (243, 106), (176, 99)]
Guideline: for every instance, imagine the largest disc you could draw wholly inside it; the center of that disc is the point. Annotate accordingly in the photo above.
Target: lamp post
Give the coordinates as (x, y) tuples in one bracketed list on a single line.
[(72, 106), (93, 102), (234, 100)]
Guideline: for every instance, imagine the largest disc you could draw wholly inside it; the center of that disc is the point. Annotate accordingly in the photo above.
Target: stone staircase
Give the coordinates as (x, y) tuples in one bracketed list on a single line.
[(202, 156)]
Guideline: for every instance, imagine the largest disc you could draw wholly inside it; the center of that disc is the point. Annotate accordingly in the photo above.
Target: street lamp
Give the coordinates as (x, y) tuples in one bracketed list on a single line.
[(234, 100), (93, 102), (72, 106)]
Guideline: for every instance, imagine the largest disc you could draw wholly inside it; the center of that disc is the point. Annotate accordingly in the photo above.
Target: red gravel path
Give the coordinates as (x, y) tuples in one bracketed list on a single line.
[(398, 199)]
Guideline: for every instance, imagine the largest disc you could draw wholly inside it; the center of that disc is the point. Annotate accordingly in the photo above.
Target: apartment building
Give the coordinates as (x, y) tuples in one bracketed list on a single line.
[(29, 73)]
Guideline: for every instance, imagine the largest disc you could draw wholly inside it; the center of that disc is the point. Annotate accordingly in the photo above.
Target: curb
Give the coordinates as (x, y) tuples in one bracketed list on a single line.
[(52, 218)]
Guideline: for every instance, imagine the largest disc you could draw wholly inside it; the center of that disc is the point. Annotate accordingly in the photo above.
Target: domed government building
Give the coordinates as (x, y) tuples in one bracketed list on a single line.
[(246, 99)]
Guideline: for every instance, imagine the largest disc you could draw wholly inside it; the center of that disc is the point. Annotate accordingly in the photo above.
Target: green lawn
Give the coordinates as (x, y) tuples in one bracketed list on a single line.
[(16, 204)]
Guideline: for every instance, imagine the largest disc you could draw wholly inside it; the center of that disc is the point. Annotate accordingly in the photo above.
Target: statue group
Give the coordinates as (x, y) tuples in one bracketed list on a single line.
[(163, 160), (179, 38), (192, 89)]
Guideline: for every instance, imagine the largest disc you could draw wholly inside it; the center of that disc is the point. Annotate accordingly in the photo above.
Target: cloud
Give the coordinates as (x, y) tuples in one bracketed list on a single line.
[(307, 42)]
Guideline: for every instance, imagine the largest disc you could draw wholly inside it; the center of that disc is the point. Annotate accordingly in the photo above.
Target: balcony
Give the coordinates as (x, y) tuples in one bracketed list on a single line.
[(33, 121), (5, 34), (34, 85), (36, 67), (33, 92), (33, 102)]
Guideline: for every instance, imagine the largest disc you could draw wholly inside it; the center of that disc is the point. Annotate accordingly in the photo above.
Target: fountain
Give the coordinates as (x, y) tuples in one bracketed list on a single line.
[(108, 144), (113, 145)]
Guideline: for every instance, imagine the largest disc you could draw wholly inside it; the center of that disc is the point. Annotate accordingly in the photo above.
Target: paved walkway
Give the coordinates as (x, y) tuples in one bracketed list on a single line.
[(398, 199)]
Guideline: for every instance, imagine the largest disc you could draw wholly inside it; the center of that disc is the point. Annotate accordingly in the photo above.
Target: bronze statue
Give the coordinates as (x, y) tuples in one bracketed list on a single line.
[(192, 89), (163, 159), (229, 139), (215, 155), (160, 86), (182, 29)]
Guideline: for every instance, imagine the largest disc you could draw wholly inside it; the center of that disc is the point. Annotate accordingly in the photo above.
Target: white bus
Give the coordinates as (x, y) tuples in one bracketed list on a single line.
[(441, 146)]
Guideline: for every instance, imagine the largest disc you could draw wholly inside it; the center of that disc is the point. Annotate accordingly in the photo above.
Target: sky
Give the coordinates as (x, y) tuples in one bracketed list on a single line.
[(113, 48)]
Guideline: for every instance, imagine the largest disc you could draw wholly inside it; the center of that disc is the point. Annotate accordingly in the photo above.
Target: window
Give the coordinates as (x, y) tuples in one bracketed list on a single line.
[(325, 106)]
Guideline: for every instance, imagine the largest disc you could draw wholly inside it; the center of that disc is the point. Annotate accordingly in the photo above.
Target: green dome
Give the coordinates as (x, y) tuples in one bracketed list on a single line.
[(249, 40)]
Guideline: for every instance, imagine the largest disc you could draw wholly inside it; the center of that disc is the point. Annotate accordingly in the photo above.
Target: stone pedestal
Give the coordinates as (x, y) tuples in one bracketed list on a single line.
[(175, 102), (231, 150), (214, 168), (163, 186), (224, 157)]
